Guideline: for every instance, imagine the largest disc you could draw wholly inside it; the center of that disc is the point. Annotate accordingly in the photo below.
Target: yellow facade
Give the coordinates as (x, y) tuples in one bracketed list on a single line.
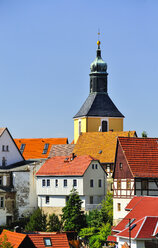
[(91, 124)]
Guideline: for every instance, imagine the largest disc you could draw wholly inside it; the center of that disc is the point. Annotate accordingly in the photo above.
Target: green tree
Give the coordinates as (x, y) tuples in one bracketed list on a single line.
[(37, 221), (54, 224), (73, 217), (144, 134), (107, 209), (4, 243), (97, 241), (99, 223)]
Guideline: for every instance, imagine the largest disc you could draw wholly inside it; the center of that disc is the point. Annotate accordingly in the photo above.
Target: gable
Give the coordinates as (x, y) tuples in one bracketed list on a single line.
[(121, 169), (9, 152)]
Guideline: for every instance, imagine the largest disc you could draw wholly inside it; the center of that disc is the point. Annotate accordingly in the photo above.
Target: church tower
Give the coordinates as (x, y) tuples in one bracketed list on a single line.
[(98, 113)]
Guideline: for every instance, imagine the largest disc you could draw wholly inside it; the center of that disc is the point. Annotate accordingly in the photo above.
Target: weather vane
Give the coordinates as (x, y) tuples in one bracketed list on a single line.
[(98, 33)]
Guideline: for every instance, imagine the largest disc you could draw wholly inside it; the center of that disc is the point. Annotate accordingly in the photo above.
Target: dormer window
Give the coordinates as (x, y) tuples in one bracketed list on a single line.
[(22, 148), (45, 148), (47, 242)]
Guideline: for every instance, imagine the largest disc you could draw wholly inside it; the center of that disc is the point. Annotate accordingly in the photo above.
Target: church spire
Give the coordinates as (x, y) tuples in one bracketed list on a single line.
[(98, 75)]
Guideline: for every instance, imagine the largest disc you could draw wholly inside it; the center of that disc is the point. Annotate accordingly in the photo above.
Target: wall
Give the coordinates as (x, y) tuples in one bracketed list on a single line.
[(95, 191), (13, 155), (24, 182), (60, 190), (116, 124), (92, 124)]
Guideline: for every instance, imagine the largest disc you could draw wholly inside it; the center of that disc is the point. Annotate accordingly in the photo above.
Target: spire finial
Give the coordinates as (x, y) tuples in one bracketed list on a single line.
[(98, 42)]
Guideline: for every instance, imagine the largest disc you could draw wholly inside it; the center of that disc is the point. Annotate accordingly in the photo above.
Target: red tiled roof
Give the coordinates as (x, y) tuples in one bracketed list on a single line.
[(64, 166), (34, 147), (14, 238), (147, 206), (58, 240), (144, 228), (112, 238), (142, 155), (133, 203)]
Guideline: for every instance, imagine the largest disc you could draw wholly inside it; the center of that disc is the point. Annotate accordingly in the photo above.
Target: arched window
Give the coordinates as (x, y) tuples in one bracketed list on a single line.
[(104, 126)]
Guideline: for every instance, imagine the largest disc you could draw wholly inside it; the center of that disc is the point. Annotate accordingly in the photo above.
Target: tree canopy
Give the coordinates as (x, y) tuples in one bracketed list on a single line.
[(73, 217), (38, 221)]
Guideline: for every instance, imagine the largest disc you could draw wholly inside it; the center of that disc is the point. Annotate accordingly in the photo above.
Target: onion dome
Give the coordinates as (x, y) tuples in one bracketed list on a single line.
[(98, 65)]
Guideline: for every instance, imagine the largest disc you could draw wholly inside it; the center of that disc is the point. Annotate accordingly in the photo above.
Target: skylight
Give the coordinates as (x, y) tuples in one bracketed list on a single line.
[(47, 242), (22, 148), (45, 148)]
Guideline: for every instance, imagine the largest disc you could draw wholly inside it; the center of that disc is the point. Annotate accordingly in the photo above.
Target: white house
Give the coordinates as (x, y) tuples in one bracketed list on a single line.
[(135, 172), (139, 228), (10, 156), (57, 177)]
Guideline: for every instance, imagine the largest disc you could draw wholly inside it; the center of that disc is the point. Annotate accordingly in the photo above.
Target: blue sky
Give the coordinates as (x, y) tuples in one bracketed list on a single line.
[(46, 48)]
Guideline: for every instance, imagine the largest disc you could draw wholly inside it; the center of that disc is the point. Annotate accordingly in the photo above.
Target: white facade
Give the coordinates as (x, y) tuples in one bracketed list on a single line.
[(9, 153), (123, 192), (53, 191)]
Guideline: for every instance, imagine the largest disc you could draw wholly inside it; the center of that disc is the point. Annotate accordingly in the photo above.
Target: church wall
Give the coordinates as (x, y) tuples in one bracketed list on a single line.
[(116, 124), (93, 124)]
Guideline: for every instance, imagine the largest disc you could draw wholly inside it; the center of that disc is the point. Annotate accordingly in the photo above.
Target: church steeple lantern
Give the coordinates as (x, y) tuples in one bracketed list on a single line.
[(98, 113)]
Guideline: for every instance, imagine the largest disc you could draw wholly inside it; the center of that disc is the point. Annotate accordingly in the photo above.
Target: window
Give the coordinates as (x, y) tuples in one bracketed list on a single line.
[(43, 182), (22, 148), (128, 184), (45, 148), (91, 183), (144, 184), (93, 166), (104, 126), (47, 242), (91, 200), (48, 182), (96, 166), (5, 148), (99, 183), (4, 161), (79, 127), (121, 165), (1, 202), (47, 199), (118, 184), (1, 180), (65, 182), (118, 206), (56, 182), (74, 183)]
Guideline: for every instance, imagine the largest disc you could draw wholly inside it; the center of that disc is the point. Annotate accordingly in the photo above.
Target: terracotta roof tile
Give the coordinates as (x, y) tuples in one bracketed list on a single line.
[(61, 150), (101, 145), (142, 155), (148, 204), (34, 147), (64, 166), (58, 240), (14, 238), (111, 238)]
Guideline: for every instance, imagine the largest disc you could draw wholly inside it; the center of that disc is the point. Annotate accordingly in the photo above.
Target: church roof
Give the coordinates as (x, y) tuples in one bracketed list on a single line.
[(98, 104), (100, 145)]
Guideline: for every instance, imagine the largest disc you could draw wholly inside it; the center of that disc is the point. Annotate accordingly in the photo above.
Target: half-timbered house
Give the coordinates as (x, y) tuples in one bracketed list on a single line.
[(135, 172)]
